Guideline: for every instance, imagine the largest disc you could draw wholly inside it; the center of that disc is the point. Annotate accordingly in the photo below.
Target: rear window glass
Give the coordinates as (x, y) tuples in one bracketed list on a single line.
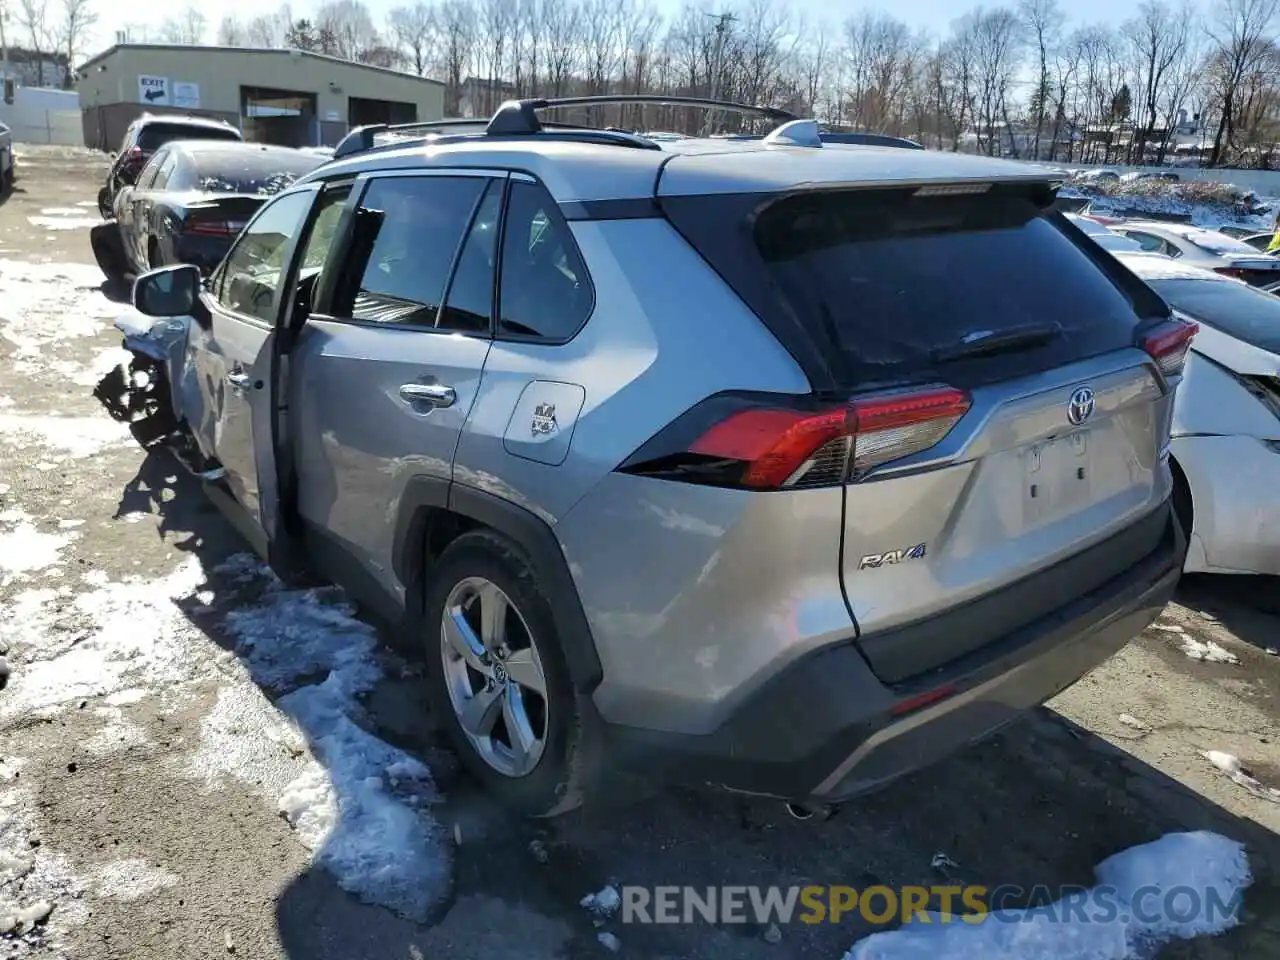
[(249, 170), (1219, 243), (892, 282), (1243, 312), (156, 135)]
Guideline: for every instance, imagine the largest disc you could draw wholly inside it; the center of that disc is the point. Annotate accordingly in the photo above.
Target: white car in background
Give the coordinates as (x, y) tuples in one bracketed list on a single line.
[(1226, 418), (1208, 249), (1102, 235)]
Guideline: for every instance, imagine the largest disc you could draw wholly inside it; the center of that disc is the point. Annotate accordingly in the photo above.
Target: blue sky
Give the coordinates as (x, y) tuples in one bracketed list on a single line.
[(934, 15)]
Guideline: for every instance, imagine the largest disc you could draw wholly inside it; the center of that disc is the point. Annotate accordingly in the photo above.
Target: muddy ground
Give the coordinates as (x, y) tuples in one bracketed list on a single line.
[(142, 751)]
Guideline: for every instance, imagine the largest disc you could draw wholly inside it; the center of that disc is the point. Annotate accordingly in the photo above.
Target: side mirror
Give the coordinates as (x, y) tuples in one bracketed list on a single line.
[(168, 291)]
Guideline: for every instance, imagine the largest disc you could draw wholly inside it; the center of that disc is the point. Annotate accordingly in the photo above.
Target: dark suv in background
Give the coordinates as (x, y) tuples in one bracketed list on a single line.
[(144, 137)]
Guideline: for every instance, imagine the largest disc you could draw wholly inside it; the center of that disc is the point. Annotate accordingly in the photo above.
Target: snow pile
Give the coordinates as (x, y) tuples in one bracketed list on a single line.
[(1206, 203), (359, 805), (1181, 886), (1233, 768)]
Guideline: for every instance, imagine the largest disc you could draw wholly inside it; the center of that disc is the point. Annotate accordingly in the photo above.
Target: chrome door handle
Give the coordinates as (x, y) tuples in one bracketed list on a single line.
[(241, 381), (434, 394)]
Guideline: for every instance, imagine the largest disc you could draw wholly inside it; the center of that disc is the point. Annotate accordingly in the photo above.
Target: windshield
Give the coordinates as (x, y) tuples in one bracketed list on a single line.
[(155, 135), (1219, 243), (251, 171), (1240, 311)]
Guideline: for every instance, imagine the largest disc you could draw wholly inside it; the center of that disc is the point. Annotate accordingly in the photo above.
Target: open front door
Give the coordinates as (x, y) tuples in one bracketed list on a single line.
[(228, 401)]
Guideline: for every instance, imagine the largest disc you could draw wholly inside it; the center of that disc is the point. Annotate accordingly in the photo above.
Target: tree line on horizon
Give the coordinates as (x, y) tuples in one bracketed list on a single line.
[(1016, 80)]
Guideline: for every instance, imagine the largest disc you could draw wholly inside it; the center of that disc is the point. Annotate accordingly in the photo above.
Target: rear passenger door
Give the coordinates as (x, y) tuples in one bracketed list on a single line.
[(386, 368)]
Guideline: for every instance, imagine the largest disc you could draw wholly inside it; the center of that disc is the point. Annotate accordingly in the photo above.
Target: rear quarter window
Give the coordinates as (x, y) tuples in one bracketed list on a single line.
[(155, 135), (884, 283)]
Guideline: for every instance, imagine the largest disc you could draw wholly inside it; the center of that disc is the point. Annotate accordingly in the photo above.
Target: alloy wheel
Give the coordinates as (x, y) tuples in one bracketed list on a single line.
[(494, 676)]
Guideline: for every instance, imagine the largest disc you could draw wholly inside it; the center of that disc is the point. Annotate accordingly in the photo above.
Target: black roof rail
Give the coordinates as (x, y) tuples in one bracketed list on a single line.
[(519, 118)]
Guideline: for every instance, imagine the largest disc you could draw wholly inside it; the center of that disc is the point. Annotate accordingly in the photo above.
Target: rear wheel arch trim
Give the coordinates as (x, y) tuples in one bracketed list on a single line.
[(423, 496)]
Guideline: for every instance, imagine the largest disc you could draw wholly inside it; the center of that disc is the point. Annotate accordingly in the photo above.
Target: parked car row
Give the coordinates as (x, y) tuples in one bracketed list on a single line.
[(1226, 428), (182, 188)]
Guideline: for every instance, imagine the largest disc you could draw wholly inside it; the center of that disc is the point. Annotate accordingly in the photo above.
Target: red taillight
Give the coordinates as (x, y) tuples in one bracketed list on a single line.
[(1235, 272), (1168, 345), (208, 228), (768, 447)]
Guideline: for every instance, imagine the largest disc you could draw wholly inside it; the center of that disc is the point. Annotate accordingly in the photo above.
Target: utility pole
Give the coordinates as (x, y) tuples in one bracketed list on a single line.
[(723, 20)]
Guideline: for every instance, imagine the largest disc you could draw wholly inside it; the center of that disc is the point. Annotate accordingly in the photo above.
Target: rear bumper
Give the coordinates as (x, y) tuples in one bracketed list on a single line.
[(806, 736)]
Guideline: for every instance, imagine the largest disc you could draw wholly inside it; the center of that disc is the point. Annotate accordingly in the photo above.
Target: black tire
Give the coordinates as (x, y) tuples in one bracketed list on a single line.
[(109, 252), (569, 765)]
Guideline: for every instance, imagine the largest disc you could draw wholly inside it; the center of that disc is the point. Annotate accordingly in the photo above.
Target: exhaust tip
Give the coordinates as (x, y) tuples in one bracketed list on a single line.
[(798, 812)]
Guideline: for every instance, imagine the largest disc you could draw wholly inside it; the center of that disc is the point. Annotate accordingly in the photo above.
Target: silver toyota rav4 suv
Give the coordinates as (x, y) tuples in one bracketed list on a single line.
[(781, 466)]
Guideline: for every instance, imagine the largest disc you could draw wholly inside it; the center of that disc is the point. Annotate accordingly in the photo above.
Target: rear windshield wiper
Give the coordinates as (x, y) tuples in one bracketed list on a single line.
[(984, 343)]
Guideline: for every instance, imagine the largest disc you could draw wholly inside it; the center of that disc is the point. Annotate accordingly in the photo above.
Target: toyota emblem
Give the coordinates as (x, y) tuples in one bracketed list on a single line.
[(1080, 407)]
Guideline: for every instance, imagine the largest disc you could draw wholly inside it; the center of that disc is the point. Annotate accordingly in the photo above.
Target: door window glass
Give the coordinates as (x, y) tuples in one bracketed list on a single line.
[(469, 305), (315, 250), (545, 290), (416, 226), (252, 271)]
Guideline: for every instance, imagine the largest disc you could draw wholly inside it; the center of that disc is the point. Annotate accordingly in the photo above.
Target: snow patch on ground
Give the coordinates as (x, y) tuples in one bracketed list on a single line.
[(245, 737), (25, 549), (360, 805), (1103, 924), (75, 436), (44, 305), (130, 880), (117, 735), (1207, 651), (102, 641), (65, 223)]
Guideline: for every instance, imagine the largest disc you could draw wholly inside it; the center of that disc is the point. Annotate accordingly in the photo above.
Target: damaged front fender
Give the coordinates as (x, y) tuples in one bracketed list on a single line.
[(143, 393)]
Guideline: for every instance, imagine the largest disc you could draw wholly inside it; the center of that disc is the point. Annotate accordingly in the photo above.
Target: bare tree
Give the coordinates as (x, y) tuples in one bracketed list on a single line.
[(1044, 22), (561, 31), (996, 57), (1241, 34), (348, 28), (455, 46), (231, 33), (269, 29), (188, 27), (414, 31), (1156, 38), (78, 20), (33, 17)]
